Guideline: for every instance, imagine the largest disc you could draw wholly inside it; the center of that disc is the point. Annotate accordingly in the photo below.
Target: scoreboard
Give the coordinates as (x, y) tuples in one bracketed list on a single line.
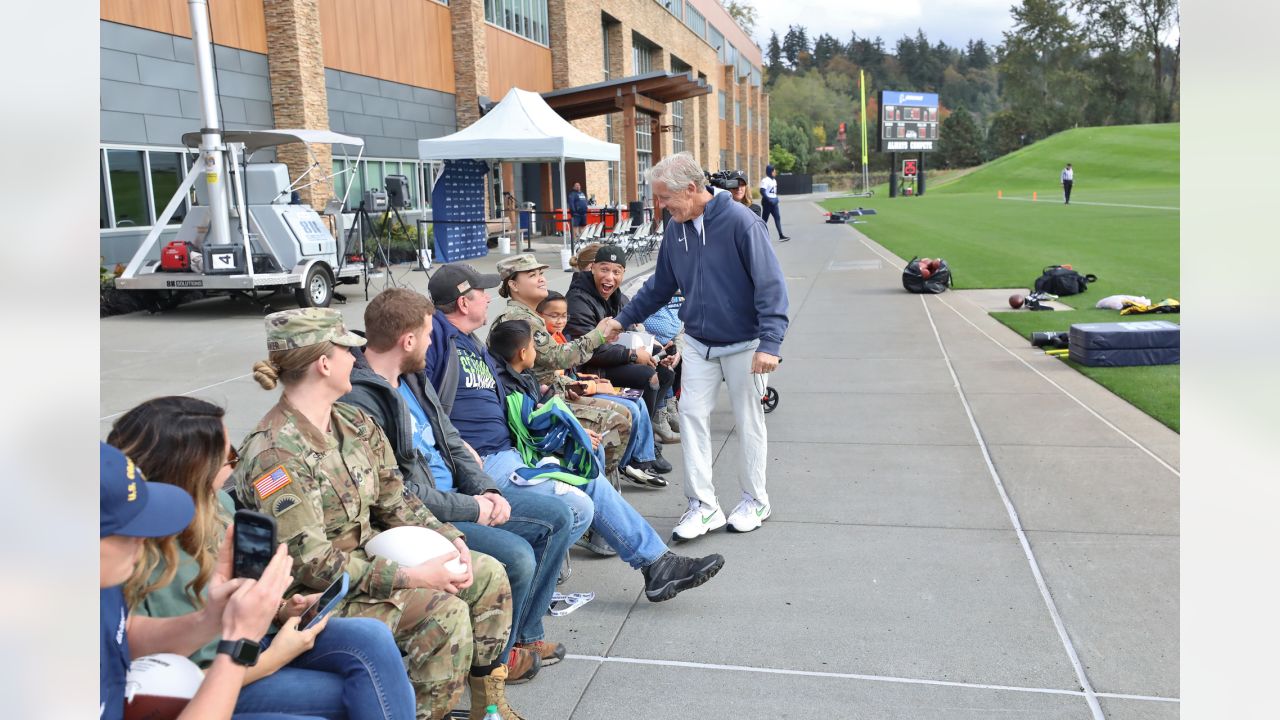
[(908, 121)]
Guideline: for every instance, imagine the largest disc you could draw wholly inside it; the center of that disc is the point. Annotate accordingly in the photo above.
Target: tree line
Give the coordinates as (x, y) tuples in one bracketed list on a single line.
[(1063, 64)]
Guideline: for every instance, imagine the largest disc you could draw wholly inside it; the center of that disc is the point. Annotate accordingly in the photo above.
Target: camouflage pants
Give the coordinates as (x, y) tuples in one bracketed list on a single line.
[(611, 420), (441, 635)]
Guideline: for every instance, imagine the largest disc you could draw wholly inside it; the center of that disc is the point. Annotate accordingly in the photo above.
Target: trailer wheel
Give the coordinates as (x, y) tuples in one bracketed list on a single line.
[(317, 291)]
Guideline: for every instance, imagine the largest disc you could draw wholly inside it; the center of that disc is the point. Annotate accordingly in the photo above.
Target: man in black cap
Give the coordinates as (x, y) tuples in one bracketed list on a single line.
[(131, 510), (596, 294)]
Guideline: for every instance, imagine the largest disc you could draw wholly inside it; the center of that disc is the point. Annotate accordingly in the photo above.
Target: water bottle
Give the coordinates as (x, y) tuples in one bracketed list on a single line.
[(491, 713)]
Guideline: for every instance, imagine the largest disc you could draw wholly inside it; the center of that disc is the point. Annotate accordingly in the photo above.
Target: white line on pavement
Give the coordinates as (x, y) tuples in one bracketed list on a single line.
[(1079, 202), (1090, 696), (853, 676), (1033, 369)]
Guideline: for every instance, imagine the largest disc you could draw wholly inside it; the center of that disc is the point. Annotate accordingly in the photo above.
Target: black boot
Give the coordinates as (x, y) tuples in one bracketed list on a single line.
[(659, 464)]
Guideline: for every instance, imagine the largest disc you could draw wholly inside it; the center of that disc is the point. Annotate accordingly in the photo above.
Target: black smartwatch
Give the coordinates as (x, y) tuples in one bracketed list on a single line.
[(242, 652)]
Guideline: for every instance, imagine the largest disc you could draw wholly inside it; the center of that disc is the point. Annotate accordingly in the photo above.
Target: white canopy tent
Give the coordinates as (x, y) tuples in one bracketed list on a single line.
[(521, 128)]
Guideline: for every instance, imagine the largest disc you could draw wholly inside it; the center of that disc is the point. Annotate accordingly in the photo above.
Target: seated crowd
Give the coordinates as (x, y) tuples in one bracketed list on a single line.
[(513, 450)]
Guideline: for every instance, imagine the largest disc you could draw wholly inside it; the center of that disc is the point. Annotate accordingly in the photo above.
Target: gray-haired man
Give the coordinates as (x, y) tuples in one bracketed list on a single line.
[(735, 315)]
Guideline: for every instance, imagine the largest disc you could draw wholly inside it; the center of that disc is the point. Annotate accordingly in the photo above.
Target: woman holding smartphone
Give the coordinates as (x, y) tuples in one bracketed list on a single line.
[(337, 668)]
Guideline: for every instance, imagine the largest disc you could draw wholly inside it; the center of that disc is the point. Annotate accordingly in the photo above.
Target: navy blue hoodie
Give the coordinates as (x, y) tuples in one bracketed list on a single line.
[(733, 286)]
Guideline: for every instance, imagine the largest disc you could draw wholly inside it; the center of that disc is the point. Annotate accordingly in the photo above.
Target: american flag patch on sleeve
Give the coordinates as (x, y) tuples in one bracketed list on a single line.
[(275, 479)]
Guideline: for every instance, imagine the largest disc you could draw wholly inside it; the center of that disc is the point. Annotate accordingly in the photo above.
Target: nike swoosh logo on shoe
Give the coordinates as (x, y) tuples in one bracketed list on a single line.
[(760, 512), (708, 518)]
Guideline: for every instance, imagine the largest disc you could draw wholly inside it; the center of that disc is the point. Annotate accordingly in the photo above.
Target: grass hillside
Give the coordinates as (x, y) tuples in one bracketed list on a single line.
[(1122, 225)]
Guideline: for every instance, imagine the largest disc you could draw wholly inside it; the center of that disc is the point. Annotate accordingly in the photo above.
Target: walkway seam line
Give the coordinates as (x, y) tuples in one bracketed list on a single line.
[(855, 676), (188, 392), (864, 240), (1089, 694)]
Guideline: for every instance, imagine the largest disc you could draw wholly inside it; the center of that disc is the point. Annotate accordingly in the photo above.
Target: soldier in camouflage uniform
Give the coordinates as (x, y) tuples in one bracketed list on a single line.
[(327, 474), (611, 420)]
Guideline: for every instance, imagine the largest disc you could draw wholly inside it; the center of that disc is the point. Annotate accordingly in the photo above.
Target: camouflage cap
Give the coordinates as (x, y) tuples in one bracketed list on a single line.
[(519, 263), (290, 329)]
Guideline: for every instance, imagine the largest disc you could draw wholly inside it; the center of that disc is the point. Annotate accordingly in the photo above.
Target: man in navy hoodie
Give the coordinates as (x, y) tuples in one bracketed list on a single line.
[(735, 315)]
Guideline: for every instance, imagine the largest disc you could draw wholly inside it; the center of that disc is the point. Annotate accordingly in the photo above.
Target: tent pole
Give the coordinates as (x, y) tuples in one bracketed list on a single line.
[(564, 205)]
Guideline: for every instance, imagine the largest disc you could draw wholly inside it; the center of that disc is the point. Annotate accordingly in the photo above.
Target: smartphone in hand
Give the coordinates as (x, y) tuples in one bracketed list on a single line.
[(254, 542), (327, 602)]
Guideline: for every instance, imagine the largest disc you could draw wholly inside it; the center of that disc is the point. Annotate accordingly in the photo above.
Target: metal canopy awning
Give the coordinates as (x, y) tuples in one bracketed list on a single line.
[(650, 92)]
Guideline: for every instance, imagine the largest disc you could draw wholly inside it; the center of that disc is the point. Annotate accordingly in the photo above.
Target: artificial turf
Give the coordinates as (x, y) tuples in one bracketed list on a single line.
[(1129, 240)]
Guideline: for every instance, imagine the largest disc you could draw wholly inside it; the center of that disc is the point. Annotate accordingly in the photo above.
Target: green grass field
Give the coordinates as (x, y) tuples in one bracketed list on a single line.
[(993, 243)]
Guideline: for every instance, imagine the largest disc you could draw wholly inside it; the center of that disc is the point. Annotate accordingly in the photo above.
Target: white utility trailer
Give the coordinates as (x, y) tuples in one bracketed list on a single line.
[(271, 244)]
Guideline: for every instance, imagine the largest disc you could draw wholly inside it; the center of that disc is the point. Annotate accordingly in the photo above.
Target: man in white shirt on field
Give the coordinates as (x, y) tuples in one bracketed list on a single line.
[(1068, 177)]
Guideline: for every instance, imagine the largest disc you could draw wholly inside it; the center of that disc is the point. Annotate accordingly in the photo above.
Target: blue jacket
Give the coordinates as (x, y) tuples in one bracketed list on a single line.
[(444, 367), (734, 289)]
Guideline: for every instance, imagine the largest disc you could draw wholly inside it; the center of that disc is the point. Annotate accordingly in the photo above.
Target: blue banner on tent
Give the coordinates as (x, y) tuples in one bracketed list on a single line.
[(457, 211)]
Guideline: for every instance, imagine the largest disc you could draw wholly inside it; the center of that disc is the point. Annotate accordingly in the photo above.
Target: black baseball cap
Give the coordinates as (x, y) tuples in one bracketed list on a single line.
[(454, 280), (612, 254), (130, 506)]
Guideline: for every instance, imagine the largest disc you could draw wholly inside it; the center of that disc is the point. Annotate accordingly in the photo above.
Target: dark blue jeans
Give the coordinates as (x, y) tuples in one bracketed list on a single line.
[(353, 671), (531, 545)]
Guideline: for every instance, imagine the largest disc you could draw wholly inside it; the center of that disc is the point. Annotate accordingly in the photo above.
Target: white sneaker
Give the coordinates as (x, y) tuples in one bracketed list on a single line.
[(698, 520), (749, 515)]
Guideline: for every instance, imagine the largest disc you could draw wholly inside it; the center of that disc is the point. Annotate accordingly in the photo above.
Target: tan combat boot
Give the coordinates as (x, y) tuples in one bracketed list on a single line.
[(673, 413), (491, 690), (662, 431)]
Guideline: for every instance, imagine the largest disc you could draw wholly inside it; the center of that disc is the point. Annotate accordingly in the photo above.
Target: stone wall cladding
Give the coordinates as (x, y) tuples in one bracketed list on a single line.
[(296, 62), (470, 59), (148, 93)]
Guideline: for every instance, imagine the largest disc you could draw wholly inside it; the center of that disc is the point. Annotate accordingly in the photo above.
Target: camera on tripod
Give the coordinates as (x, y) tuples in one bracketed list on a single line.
[(728, 179)]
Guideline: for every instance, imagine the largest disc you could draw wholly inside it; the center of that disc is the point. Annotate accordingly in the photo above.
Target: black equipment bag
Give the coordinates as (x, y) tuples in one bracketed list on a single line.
[(937, 282), (1058, 280)]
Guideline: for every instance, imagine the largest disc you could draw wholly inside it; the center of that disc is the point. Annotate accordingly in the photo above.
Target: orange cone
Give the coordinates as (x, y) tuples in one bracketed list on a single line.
[(999, 194), (1033, 194)]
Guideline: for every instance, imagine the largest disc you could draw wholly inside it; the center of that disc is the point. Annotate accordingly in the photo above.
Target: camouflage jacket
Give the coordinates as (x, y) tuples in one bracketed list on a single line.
[(552, 356), (329, 494)]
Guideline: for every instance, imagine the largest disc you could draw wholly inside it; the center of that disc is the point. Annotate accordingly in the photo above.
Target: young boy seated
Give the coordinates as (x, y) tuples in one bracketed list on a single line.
[(640, 463), (617, 523)]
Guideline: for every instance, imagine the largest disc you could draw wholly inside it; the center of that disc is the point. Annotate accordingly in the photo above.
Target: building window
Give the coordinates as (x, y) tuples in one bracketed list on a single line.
[(613, 166), (166, 175), (723, 103), (675, 7), (641, 56), (135, 185), (644, 154), (716, 38), (724, 160), (374, 177), (677, 119), (526, 18), (737, 112), (604, 32), (695, 20)]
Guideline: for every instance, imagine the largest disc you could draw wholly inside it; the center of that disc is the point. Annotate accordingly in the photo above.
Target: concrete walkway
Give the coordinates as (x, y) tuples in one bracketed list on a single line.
[(963, 528)]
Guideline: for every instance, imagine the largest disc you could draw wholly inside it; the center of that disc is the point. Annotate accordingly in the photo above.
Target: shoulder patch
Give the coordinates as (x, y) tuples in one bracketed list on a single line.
[(541, 337), (272, 481), (285, 503)]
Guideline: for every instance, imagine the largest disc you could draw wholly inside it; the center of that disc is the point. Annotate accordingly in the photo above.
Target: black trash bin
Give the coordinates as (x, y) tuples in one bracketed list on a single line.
[(636, 209)]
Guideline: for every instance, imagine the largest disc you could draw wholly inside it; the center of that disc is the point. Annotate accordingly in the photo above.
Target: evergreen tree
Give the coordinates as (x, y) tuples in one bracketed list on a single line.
[(773, 66), (960, 140), (825, 48), (792, 46)]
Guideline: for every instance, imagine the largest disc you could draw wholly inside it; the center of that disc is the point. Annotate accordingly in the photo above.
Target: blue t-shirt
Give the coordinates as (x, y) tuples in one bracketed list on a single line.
[(479, 415), (424, 439), (113, 654)]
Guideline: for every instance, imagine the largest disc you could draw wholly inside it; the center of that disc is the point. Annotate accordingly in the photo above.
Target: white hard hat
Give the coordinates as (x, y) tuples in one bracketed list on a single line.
[(159, 686), (411, 545)]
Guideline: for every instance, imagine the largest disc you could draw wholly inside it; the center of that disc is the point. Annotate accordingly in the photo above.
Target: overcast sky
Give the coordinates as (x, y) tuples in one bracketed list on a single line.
[(954, 21)]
